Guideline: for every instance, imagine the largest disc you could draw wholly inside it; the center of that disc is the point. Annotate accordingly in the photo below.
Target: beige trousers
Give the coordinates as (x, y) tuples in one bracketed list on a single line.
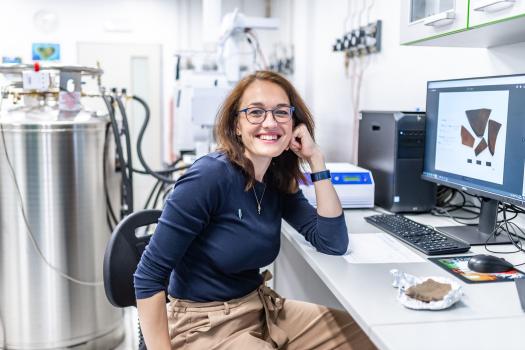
[(262, 320)]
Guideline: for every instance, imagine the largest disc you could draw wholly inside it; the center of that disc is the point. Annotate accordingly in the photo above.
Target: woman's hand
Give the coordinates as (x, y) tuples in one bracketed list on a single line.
[(303, 145)]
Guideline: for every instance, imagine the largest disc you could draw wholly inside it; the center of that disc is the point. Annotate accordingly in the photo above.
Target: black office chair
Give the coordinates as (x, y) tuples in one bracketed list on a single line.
[(122, 255)]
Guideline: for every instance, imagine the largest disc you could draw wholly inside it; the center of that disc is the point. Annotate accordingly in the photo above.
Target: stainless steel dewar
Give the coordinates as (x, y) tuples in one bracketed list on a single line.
[(53, 230)]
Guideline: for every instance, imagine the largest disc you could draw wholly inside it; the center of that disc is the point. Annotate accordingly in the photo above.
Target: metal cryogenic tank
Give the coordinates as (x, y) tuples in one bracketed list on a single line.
[(57, 158)]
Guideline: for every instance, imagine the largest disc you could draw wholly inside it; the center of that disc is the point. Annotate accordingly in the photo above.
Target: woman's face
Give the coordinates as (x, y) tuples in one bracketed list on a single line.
[(270, 138)]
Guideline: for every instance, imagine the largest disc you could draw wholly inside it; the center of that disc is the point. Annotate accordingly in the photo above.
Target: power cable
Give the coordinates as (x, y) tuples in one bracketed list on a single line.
[(516, 235)]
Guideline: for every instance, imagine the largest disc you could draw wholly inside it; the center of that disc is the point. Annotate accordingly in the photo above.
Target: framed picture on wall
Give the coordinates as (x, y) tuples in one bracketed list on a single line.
[(45, 52)]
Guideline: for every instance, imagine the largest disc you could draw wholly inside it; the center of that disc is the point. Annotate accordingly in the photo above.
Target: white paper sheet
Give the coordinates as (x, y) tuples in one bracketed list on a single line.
[(379, 248)]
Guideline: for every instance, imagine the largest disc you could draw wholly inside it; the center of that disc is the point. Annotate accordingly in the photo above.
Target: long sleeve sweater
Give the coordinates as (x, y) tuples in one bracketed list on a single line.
[(210, 240)]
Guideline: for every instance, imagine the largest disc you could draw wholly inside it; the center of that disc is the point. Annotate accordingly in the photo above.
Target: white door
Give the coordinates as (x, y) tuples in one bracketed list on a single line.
[(137, 68)]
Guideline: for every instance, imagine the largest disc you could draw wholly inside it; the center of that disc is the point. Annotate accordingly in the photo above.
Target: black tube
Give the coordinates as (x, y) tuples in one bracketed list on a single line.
[(151, 172), (128, 150), (159, 191), (166, 193), (177, 68), (172, 168), (152, 193), (110, 214), (116, 134), (166, 171)]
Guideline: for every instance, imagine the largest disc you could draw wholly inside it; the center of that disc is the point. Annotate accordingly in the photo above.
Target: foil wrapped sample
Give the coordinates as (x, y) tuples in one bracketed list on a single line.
[(402, 281)]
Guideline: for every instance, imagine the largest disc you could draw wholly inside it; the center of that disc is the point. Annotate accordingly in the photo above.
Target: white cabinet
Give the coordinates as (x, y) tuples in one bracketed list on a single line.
[(462, 23), (483, 12), (425, 19)]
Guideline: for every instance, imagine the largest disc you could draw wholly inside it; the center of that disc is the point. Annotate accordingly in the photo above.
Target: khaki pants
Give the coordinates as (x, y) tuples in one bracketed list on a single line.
[(262, 320)]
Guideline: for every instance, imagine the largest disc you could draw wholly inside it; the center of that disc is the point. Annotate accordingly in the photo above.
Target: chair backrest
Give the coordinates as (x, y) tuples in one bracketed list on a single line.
[(122, 255)]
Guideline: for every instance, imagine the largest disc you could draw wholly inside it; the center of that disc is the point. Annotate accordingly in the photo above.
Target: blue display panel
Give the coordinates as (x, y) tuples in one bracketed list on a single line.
[(351, 178), (346, 178)]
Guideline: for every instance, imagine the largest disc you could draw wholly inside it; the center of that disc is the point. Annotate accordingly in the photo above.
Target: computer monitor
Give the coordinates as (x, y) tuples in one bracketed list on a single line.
[(475, 142)]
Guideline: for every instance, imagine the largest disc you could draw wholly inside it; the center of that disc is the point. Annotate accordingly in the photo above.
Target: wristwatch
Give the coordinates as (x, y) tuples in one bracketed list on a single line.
[(320, 175)]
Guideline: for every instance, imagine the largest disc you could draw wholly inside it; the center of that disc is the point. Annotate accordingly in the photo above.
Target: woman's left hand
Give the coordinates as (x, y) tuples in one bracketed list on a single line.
[(303, 145)]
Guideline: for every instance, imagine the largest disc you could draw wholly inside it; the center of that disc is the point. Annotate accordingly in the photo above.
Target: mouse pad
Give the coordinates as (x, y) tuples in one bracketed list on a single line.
[(458, 266)]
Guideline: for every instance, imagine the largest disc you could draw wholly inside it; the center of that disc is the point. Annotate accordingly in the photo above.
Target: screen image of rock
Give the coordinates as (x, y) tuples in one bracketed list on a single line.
[(493, 135), (478, 120), (471, 134)]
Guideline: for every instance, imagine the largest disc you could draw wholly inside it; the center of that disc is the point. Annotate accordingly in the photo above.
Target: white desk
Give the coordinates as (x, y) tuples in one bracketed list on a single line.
[(489, 316)]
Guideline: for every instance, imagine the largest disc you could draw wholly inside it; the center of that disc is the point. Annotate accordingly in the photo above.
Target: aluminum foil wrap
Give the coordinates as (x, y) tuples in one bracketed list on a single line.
[(402, 281)]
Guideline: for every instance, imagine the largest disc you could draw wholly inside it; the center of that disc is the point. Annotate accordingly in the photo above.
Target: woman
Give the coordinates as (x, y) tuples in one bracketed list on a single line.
[(221, 224)]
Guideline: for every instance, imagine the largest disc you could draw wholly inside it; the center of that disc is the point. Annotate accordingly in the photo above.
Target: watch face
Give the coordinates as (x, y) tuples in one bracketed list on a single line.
[(321, 175)]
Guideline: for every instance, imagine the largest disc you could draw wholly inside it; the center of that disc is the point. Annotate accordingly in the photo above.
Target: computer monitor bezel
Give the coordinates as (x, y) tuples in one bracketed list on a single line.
[(468, 189)]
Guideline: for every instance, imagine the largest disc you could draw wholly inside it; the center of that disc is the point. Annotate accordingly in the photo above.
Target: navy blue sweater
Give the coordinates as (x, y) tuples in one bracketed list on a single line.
[(210, 241)]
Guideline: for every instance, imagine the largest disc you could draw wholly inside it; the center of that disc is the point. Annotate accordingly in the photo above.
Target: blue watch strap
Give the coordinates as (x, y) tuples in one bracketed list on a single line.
[(320, 175)]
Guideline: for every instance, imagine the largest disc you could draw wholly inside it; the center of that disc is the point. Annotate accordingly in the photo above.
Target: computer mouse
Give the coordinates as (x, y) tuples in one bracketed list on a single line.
[(489, 263)]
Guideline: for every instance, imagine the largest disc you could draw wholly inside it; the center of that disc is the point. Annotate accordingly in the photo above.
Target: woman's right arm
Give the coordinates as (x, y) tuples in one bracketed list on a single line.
[(154, 322), (166, 248), (194, 199)]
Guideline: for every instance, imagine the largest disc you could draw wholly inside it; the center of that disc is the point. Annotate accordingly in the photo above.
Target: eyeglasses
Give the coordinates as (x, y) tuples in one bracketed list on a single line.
[(257, 115)]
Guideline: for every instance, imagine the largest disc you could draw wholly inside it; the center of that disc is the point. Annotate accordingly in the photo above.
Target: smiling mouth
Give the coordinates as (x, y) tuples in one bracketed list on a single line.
[(268, 137)]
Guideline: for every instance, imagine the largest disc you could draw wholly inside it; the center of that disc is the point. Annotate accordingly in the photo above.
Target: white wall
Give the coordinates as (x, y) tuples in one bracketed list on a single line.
[(190, 22), (141, 24), (174, 24), (395, 78), (84, 21)]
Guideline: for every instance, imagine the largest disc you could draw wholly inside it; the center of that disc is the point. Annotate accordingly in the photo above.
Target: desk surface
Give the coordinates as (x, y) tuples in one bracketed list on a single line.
[(486, 318)]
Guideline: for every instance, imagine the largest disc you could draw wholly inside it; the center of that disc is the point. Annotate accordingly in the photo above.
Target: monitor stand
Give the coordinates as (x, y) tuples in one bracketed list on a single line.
[(478, 235)]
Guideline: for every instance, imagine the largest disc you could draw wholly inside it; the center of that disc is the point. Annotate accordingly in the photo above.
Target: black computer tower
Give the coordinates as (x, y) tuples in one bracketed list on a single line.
[(391, 146)]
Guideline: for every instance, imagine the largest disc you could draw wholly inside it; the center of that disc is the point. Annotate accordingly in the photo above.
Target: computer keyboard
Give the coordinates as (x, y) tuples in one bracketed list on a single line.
[(421, 237)]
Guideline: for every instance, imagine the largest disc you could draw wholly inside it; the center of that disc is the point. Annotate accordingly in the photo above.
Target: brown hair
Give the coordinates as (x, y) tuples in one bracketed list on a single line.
[(284, 171)]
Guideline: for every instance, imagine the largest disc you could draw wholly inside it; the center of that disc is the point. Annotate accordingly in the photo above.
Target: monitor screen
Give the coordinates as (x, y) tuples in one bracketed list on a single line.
[(475, 142), (475, 136)]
